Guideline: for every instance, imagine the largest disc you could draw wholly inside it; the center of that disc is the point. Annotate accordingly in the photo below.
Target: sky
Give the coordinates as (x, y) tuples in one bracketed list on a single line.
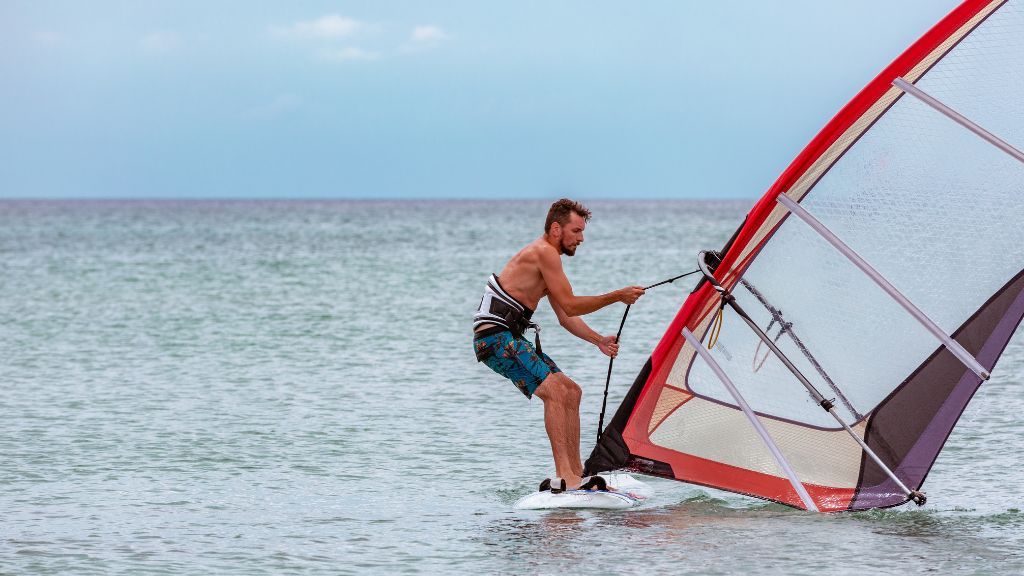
[(415, 99)]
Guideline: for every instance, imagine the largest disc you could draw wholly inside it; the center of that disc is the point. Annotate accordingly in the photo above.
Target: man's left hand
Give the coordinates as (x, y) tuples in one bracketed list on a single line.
[(609, 347)]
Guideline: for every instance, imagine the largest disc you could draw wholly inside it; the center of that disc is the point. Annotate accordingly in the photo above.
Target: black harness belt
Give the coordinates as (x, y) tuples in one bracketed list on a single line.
[(501, 309)]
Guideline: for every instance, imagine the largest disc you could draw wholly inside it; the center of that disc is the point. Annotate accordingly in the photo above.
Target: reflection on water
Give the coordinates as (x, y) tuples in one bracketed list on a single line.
[(707, 535)]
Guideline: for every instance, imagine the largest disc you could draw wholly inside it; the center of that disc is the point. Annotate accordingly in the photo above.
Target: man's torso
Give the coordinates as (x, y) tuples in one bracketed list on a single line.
[(522, 279)]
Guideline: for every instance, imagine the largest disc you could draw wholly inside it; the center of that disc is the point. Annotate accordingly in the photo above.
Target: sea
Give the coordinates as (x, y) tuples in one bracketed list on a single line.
[(288, 387)]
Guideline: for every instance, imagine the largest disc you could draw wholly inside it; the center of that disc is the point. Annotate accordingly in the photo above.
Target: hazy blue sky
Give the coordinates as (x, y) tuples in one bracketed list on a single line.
[(466, 99)]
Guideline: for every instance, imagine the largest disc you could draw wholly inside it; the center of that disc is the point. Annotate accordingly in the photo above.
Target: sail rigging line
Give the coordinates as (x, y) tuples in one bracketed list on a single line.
[(960, 119), (611, 361), (787, 328), (716, 328), (952, 345), (917, 497), (780, 458), (755, 364)]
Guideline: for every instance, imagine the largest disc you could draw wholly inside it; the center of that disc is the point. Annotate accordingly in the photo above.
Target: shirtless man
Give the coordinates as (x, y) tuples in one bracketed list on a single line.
[(504, 314)]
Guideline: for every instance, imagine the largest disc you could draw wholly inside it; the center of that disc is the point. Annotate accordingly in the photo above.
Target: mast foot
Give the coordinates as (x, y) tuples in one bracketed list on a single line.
[(918, 498)]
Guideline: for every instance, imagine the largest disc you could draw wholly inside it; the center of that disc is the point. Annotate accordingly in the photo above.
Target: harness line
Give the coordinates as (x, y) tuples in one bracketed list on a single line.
[(611, 361)]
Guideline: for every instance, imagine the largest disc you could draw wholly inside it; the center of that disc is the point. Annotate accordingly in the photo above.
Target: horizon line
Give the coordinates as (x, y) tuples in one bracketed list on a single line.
[(350, 199)]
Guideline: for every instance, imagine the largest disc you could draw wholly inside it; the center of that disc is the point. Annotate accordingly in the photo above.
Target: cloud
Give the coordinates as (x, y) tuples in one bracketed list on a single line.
[(427, 35), (350, 53), (328, 26), (423, 38), (326, 32), (160, 42)]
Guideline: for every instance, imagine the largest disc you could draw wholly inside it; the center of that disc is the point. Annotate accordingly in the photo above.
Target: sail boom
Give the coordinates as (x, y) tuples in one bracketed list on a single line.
[(958, 118), (787, 328), (915, 312), (811, 389), (780, 458)]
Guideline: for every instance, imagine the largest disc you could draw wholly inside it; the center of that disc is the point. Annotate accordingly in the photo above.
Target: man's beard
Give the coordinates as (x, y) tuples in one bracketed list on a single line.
[(568, 251)]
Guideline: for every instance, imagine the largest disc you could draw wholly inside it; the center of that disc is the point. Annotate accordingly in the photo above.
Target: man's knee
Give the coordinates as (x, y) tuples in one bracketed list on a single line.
[(573, 390), (558, 387)]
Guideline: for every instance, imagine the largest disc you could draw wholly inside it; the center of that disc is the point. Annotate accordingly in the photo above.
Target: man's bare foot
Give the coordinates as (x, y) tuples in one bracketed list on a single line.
[(573, 482)]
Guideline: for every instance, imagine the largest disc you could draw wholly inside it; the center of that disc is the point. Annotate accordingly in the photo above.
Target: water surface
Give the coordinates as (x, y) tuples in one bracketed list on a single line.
[(288, 387)]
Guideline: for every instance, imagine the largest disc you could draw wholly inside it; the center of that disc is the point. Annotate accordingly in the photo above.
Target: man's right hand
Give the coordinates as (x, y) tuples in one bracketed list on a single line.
[(630, 294)]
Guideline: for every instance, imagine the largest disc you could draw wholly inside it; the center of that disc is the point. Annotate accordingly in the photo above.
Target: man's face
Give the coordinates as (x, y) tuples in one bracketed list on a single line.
[(572, 234)]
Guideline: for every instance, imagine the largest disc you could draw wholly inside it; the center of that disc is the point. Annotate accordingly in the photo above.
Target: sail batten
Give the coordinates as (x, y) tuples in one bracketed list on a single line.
[(773, 447), (885, 285), (958, 118)]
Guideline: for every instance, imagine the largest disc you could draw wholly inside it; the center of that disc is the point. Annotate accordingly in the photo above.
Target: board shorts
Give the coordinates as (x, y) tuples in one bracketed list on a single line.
[(515, 359)]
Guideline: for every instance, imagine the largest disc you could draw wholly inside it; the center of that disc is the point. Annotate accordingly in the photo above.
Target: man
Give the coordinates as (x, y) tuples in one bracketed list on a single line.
[(504, 314)]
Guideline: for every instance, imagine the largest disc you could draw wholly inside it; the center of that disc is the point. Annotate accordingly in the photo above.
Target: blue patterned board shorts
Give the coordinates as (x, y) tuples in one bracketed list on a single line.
[(515, 359)]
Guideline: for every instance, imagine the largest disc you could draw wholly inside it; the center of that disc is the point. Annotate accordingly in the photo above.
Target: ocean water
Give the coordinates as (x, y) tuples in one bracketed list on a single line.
[(288, 387)]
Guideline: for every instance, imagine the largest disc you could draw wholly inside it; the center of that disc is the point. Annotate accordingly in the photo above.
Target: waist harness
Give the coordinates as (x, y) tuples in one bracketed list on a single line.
[(501, 309)]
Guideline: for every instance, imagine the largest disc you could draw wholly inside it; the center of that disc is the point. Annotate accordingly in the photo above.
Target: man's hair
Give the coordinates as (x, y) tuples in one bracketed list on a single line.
[(561, 210)]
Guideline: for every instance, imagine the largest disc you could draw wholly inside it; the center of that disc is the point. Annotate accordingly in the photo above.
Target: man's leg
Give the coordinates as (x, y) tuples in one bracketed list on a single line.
[(561, 397)]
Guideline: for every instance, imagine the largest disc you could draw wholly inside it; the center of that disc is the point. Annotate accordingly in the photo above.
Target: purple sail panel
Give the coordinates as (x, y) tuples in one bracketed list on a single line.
[(912, 424)]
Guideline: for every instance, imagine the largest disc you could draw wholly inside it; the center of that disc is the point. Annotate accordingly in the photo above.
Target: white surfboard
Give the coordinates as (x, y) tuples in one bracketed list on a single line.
[(629, 492)]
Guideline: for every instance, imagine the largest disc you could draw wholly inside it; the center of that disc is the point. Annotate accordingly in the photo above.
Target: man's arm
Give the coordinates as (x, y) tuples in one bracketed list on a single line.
[(560, 291), (577, 327)]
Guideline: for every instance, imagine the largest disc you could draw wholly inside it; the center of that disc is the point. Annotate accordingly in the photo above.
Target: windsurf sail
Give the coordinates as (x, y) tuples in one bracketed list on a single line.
[(865, 298)]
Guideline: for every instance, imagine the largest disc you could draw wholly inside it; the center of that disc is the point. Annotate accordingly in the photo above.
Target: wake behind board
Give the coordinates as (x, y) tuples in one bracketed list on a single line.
[(629, 492)]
